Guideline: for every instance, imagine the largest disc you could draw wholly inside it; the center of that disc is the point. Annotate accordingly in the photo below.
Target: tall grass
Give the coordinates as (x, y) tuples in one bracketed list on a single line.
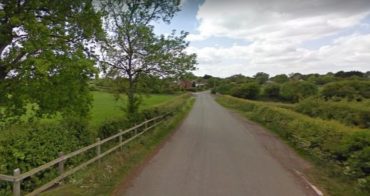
[(344, 150)]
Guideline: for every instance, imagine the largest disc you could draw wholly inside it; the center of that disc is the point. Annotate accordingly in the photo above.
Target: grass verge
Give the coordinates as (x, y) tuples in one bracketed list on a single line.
[(102, 179), (339, 153)]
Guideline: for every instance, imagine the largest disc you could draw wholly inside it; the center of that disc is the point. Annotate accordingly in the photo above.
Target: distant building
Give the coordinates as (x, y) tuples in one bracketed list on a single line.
[(186, 84)]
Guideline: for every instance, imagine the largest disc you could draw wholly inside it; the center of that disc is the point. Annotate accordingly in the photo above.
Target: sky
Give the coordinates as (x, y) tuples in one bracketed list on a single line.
[(275, 36)]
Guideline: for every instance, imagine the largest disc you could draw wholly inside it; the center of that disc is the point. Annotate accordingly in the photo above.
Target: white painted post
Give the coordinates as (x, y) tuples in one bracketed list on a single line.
[(17, 183)]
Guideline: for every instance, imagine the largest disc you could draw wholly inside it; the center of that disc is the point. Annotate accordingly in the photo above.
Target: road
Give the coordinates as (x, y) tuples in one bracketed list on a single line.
[(215, 153)]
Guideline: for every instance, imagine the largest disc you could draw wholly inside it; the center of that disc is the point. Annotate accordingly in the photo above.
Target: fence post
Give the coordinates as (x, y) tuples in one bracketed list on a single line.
[(135, 131), (61, 165), (146, 124), (98, 149), (17, 183), (120, 139)]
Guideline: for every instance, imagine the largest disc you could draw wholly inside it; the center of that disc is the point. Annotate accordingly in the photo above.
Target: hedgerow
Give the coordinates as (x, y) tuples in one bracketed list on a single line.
[(349, 113), (31, 145), (335, 144)]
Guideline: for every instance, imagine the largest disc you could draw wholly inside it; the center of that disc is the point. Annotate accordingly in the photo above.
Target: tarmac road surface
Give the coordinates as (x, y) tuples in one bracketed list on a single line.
[(214, 153)]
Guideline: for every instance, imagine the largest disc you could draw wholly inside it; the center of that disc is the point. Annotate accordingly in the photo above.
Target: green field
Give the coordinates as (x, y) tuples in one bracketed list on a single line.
[(106, 107)]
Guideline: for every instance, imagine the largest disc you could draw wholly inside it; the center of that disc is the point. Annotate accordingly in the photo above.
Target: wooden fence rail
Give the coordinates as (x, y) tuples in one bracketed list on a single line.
[(17, 177)]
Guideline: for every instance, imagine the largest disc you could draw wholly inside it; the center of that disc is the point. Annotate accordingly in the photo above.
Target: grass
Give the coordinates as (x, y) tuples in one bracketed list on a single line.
[(323, 174), (106, 107), (104, 178)]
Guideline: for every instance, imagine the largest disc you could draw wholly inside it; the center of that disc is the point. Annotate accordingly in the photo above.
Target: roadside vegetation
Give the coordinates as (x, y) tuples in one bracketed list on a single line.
[(326, 118), (72, 71), (116, 169)]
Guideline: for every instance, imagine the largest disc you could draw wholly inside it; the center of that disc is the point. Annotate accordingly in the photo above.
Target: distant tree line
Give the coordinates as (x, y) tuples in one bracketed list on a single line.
[(351, 85)]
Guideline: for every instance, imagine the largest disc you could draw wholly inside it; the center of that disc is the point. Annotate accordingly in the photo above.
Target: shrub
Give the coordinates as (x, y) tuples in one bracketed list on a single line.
[(295, 90), (351, 89), (225, 88), (332, 143), (271, 91), (349, 113), (28, 147), (247, 91)]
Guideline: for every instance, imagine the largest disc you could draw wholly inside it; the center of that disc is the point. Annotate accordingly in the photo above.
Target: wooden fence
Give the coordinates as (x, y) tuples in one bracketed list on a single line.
[(135, 131)]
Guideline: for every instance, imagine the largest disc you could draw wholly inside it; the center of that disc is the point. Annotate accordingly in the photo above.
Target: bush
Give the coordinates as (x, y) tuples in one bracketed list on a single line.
[(225, 88), (271, 91), (295, 90), (351, 89), (28, 147), (349, 113), (247, 91), (332, 143)]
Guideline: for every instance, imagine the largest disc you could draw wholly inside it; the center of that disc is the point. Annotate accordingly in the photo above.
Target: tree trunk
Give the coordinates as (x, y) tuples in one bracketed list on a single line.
[(131, 95)]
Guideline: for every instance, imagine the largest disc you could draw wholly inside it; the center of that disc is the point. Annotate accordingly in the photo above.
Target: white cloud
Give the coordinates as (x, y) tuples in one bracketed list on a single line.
[(277, 30), (347, 53)]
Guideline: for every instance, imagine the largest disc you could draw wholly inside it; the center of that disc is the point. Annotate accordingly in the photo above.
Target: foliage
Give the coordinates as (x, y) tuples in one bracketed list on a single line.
[(107, 108), (157, 85), (295, 90), (349, 89), (239, 79), (44, 60), (349, 74), (114, 125), (281, 78), (27, 147), (332, 143), (117, 167), (271, 91), (132, 49), (261, 77), (349, 113), (225, 88), (247, 91), (320, 80)]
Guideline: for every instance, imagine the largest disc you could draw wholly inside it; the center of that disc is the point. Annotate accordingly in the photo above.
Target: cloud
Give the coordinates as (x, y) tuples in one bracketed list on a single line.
[(277, 29), (346, 53)]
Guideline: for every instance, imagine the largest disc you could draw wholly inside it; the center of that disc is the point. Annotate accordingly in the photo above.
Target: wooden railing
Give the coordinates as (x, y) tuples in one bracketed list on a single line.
[(136, 131)]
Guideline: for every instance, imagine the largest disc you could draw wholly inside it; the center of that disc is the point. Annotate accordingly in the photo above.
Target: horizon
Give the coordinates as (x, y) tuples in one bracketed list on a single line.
[(243, 37)]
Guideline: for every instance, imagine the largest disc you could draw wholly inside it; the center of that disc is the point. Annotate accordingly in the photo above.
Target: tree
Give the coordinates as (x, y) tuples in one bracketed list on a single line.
[(296, 90), (350, 89), (349, 74), (44, 58), (248, 91), (239, 79), (271, 91), (132, 49), (295, 76), (206, 77), (281, 78), (261, 77)]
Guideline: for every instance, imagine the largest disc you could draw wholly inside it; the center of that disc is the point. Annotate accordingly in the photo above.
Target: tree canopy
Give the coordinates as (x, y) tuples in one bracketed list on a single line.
[(45, 56), (132, 49)]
